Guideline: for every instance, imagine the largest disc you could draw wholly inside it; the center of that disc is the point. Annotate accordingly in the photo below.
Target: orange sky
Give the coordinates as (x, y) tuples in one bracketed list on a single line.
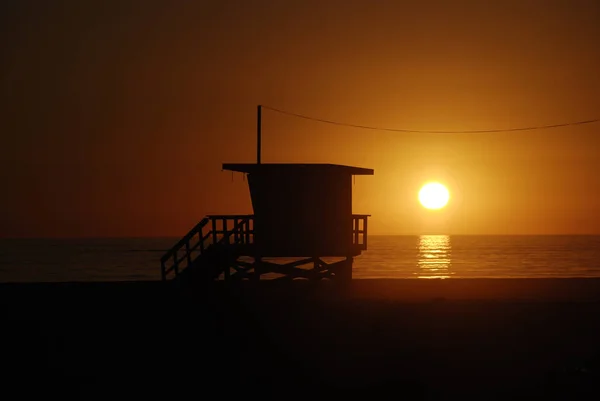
[(116, 118)]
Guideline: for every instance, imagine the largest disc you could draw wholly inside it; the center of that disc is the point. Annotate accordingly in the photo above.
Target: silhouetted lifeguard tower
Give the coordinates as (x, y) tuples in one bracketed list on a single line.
[(302, 213)]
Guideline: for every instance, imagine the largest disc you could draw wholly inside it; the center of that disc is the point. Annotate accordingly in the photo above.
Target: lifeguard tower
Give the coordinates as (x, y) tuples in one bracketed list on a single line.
[(302, 214)]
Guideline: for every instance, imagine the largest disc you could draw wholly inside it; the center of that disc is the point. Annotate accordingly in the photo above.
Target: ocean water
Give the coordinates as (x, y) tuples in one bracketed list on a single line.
[(426, 256)]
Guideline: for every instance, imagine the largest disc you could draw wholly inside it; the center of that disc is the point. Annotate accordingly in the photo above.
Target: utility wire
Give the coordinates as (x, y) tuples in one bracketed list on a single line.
[(531, 128)]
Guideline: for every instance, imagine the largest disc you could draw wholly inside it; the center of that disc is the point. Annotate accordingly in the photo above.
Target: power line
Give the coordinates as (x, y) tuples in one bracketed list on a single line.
[(531, 128)]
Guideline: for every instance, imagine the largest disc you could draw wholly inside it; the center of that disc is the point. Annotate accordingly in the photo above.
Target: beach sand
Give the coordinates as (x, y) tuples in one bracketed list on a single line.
[(369, 339)]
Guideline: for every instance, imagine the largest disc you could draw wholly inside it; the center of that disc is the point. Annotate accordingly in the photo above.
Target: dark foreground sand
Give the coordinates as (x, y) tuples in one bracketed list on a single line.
[(373, 339)]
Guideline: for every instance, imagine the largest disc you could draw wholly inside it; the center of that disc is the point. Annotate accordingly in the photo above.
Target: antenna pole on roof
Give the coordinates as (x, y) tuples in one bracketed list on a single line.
[(258, 132)]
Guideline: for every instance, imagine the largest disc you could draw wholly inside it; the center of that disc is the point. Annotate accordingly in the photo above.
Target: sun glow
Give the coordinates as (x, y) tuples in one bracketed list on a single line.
[(434, 195)]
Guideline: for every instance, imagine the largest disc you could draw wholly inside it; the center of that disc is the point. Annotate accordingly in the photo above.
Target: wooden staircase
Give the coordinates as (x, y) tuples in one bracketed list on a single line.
[(207, 250)]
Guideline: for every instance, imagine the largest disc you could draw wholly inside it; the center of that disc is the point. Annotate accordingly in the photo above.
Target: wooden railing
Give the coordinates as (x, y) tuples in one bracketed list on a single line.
[(359, 230), (184, 249), (210, 230), (230, 230)]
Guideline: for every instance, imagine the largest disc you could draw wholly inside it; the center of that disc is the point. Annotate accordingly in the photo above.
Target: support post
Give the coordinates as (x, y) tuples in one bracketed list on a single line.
[(214, 230), (188, 254), (258, 133), (365, 233)]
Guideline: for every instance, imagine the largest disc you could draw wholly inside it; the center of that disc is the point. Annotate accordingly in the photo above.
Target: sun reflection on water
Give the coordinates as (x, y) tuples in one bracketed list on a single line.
[(434, 256)]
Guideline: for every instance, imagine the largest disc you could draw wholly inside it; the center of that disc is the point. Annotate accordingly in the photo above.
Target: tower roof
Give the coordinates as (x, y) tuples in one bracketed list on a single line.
[(295, 168)]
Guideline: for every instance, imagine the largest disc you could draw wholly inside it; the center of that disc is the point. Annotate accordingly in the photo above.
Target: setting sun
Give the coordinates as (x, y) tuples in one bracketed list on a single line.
[(434, 195)]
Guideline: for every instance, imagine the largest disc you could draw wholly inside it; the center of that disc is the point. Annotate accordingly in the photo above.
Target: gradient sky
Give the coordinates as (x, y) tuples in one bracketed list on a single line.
[(116, 116)]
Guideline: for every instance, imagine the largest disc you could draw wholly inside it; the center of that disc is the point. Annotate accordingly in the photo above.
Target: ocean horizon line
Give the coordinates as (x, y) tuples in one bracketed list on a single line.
[(177, 237)]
